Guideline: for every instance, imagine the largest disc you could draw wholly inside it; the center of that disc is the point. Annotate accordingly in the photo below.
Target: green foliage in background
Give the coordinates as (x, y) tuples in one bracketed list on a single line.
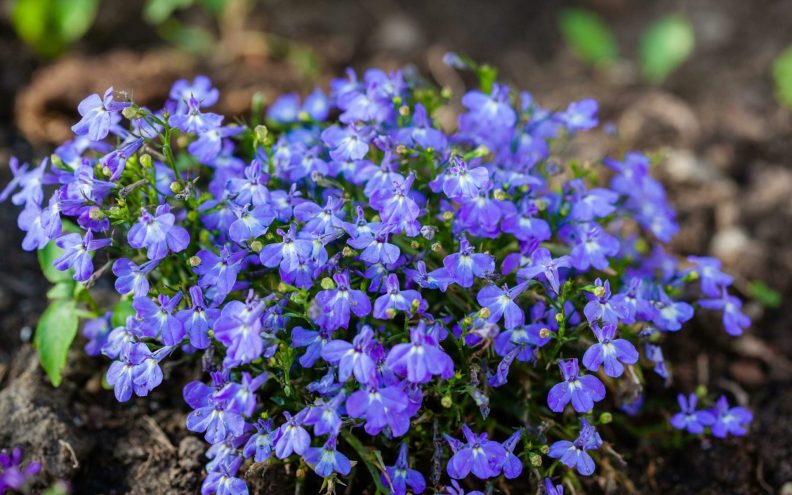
[(588, 36), (665, 46), (49, 26), (782, 75)]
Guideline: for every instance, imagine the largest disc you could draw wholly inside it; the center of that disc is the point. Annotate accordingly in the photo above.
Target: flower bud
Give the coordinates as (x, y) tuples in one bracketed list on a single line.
[(545, 333), (401, 149), (437, 247), (262, 133), (541, 204), (606, 418), (544, 449), (535, 459), (256, 246), (327, 283), (175, 187), (347, 252), (194, 261), (106, 171), (131, 112), (304, 116), (448, 216), (500, 194), (404, 110), (390, 313), (484, 313), (145, 160), (428, 232), (446, 92), (415, 305), (414, 245), (446, 401), (559, 317)]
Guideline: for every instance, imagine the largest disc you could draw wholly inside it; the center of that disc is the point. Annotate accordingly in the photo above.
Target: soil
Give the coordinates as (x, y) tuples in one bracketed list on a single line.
[(726, 144)]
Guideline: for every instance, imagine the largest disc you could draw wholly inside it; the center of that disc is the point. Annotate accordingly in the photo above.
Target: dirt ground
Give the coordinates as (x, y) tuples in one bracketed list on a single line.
[(726, 141)]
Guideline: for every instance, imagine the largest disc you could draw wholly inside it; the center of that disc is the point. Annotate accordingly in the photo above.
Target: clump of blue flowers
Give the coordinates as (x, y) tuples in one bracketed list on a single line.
[(364, 287)]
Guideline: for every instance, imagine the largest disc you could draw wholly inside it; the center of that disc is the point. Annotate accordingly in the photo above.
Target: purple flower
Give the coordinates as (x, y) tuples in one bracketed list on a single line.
[(259, 446), (131, 277), (98, 114), (158, 320), (320, 220), (396, 206), (198, 319), (221, 271), (252, 188), (500, 303), (594, 203), (210, 414), (466, 265), (582, 390), (400, 477), (670, 314), (553, 489), (580, 115), (338, 304), (239, 329), (251, 222), (592, 247), (287, 253), (601, 307), (381, 407), (710, 274), (354, 358), (223, 481), (421, 359), (542, 263), (481, 456), (313, 341), (324, 416), (327, 460), (462, 183), (689, 418), (346, 143), (375, 246), (137, 370), (191, 120), (77, 254), (12, 475), (436, 279), (201, 89), (730, 420), (29, 182), (158, 234), (292, 437), (574, 454), (609, 351), (734, 320), (512, 465), (395, 299), (241, 397)]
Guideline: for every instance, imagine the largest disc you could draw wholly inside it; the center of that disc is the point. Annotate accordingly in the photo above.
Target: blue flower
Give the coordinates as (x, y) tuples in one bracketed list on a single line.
[(582, 390), (192, 120), (259, 446), (734, 320), (542, 263), (338, 304), (574, 454), (553, 489), (353, 358), (609, 351), (500, 303), (580, 115), (327, 460), (400, 476), (292, 437), (712, 279), (132, 278), (77, 254), (421, 359), (238, 328), (602, 307), (210, 414), (98, 114), (201, 89), (481, 456), (158, 320), (461, 183), (324, 416), (690, 419), (381, 407), (465, 265), (287, 253), (395, 299), (198, 319), (223, 481), (730, 420), (158, 234)]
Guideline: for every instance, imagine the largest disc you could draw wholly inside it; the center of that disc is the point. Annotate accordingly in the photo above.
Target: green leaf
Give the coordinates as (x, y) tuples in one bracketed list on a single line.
[(50, 25), (366, 457), (120, 313), (46, 257), (588, 36), (61, 290), (664, 46), (764, 295), (54, 335), (158, 11), (782, 75)]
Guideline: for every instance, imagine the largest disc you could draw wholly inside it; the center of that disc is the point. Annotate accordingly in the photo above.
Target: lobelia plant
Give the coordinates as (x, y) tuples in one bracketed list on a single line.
[(363, 288)]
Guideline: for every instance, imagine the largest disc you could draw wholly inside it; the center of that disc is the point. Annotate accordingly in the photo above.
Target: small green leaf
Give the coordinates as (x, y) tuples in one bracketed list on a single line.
[(50, 25), (120, 313), (62, 290), (782, 75), (664, 46), (46, 257), (73, 18), (54, 335), (366, 457), (158, 11), (588, 36), (764, 295)]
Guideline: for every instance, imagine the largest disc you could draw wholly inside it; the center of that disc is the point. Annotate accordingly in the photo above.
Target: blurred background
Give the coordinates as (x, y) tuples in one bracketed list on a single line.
[(705, 85)]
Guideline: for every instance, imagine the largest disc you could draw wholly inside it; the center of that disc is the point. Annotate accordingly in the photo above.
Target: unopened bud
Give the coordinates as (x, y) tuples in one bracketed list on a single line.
[(194, 261), (145, 160), (192, 215), (415, 305), (535, 459), (327, 283), (304, 116), (544, 449), (446, 401), (390, 313), (500, 194), (545, 333), (401, 149), (56, 161), (540, 204), (437, 247), (485, 313), (414, 244), (397, 100), (481, 151), (404, 110), (175, 187), (606, 418), (448, 215), (106, 171), (131, 112), (262, 133), (256, 246), (446, 92), (346, 252), (559, 317)]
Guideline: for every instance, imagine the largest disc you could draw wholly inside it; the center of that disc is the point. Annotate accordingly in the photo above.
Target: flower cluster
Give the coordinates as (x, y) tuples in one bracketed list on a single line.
[(13, 476), (360, 284)]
